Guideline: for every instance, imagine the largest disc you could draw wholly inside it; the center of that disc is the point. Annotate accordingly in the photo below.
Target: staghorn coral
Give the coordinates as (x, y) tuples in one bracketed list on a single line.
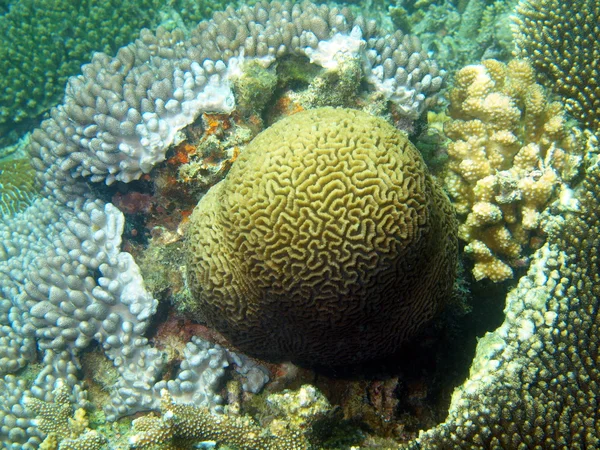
[(64, 429), (511, 153), (180, 426), (534, 381), (327, 243), (561, 40)]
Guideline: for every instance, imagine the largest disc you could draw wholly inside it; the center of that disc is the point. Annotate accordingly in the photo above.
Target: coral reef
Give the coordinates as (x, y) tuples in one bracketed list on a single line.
[(327, 243), (65, 282), (570, 65), (534, 381), (511, 154), (184, 425), (17, 189)]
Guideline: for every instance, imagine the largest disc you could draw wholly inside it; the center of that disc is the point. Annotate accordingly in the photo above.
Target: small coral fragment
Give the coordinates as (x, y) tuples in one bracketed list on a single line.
[(17, 187), (64, 430)]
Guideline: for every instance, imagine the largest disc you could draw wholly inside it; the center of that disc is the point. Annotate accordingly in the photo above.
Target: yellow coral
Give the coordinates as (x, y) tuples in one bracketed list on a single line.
[(17, 187), (511, 151), (328, 242)]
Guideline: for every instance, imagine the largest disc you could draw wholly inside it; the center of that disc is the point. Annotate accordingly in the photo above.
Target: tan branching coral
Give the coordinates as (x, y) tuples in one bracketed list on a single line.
[(180, 426), (511, 153), (63, 429), (533, 383)]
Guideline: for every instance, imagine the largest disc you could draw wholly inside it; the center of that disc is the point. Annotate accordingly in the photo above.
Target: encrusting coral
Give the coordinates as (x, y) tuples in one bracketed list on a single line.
[(181, 426), (64, 429), (511, 153), (327, 243)]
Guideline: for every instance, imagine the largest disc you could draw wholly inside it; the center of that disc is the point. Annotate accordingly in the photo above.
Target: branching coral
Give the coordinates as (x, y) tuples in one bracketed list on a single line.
[(64, 429), (45, 42), (511, 153), (534, 381), (180, 426), (460, 32)]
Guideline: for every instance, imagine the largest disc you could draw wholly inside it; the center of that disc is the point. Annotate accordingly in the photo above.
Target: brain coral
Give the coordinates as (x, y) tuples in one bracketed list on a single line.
[(327, 243)]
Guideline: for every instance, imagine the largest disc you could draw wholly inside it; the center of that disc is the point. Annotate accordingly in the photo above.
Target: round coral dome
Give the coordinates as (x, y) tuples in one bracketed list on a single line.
[(328, 243)]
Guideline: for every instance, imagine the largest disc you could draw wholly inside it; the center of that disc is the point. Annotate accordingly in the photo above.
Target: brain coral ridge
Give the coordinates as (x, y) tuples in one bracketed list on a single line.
[(122, 113), (327, 243)]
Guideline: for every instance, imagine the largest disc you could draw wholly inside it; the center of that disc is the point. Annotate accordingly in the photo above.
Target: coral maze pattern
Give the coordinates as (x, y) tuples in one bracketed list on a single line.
[(328, 242)]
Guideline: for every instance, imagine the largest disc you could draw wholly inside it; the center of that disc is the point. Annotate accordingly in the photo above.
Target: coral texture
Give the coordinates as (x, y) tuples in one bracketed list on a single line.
[(64, 429), (511, 153), (45, 42), (459, 32), (198, 381), (570, 64), (327, 243), (18, 430), (17, 189), (120, 116), (534, 381), (63, 283)]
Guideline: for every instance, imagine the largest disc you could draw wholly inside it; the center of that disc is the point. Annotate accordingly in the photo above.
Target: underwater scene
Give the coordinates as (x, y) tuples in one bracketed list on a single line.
[(299, 225)]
